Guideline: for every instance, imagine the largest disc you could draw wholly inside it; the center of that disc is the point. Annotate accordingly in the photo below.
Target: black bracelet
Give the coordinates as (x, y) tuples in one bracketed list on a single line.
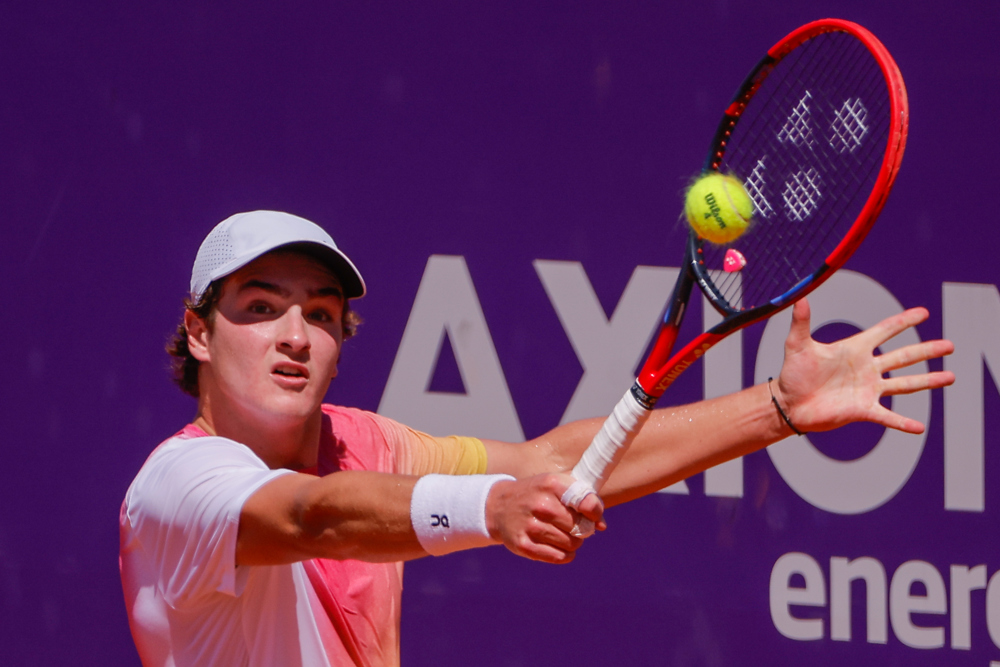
[(780, 411)]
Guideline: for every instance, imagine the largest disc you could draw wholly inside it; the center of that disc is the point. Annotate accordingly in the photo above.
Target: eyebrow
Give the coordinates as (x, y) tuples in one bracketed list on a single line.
[(329, 291), (282, 292), (265, 286)]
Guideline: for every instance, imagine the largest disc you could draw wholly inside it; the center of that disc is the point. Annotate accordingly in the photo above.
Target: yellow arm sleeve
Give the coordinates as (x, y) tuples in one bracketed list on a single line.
[(417, 453)]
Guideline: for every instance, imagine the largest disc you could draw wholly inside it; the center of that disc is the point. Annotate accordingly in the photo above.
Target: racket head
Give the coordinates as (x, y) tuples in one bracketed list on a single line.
[(816, 132)]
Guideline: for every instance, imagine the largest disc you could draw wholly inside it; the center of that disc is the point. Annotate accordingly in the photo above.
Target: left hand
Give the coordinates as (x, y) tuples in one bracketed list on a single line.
[(822, 387)]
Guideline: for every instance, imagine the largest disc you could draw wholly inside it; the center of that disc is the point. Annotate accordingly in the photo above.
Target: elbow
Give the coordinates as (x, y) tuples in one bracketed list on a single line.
[(317, 529), (323, 528)]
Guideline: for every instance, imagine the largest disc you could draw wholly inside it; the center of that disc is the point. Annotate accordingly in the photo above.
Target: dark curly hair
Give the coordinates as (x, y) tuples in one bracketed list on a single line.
[(184, 366)]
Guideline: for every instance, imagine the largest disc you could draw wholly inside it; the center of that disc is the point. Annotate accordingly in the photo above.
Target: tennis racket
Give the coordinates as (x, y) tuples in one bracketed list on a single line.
[(816, 134)]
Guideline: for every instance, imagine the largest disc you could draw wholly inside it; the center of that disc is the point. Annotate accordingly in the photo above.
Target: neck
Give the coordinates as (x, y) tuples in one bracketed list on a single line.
[(292, 444)]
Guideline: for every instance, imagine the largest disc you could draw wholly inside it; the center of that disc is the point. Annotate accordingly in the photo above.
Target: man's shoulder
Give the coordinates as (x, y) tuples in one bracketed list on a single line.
[(196, 446), (187, 455), (356, 439), (342, 416)]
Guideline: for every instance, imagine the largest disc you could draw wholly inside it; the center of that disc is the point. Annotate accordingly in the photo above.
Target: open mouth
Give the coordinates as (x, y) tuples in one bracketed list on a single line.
[(289, 371)]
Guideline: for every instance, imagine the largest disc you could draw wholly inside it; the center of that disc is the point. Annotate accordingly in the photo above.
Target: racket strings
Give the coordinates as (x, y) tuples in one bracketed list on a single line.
[(796, 129), (809, 148)]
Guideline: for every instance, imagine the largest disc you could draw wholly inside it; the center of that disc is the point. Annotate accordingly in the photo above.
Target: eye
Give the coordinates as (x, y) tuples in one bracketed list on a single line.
[(260, 308), (321, 315)]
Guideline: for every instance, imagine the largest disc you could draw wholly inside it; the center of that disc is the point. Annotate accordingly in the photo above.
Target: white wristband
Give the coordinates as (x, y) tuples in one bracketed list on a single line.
[(448, 512)]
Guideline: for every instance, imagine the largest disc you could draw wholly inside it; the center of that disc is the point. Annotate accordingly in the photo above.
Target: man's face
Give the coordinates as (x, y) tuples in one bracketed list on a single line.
[(275, 338)]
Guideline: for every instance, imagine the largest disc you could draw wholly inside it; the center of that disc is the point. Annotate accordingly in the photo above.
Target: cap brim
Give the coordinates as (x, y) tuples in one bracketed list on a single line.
[(342, 267)]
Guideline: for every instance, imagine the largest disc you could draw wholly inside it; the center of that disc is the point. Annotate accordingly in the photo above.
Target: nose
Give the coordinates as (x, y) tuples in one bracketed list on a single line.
[(293, 334)]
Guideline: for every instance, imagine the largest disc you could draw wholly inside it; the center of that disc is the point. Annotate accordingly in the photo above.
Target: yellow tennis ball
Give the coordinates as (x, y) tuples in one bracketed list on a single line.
[(718, 208)]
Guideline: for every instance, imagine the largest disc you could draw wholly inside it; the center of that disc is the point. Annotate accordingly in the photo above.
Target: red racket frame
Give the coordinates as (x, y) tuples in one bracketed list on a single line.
[(661, 369)]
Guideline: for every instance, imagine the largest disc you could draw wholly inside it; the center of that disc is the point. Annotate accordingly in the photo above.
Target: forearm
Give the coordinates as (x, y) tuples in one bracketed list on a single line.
[(356, 515), (675, 443), (678, 442), (379, 517)]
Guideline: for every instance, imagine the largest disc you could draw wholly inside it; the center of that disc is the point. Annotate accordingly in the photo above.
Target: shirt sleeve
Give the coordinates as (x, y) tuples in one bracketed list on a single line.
[(184, 511), (417, 453)]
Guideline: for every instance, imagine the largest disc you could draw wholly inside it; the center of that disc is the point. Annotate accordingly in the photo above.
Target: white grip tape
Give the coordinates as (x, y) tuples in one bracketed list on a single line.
[(575, 493), (611, 441), (603, 454), (448, 512), (572, 497)]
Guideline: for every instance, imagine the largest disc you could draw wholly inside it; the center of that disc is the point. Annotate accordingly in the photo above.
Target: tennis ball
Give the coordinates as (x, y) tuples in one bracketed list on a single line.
[(718, 208)]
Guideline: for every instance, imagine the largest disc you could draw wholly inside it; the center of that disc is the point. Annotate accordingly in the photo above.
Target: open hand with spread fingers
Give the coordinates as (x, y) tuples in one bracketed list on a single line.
[(824, 386)]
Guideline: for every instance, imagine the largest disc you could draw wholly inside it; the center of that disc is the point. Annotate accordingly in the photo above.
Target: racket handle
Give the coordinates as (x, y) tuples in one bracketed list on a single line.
[(604, 453)]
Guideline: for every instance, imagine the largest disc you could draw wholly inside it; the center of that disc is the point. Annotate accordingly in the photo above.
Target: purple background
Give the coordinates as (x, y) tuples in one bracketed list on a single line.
[(480, 129)]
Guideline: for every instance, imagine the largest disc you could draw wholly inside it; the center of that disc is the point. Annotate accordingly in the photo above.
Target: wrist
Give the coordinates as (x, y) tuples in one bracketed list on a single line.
[(494, 501), (449, 512), (781, 407)]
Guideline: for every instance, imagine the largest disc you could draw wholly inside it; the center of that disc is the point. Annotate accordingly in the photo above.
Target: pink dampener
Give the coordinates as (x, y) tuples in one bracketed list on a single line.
[(734, 261)]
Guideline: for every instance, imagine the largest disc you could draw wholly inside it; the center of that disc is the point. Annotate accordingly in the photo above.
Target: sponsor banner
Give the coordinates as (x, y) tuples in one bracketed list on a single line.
[(508, 180)]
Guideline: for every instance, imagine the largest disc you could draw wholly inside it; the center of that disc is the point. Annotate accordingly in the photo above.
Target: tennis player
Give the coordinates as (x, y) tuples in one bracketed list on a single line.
[(272, 529)]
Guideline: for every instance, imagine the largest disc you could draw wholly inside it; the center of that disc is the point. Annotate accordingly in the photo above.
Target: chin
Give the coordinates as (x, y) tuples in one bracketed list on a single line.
[(296, 407)]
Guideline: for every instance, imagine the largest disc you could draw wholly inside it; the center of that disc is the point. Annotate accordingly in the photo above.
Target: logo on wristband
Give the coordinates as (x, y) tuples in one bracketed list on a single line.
[(439, 520)]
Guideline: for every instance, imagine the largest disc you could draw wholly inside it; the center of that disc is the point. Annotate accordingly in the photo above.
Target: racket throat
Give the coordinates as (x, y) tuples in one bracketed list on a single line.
[(657, 358), (668, 334)]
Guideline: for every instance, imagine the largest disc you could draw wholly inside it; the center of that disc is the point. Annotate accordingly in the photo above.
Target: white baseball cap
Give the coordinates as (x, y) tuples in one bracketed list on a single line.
[(242, 238)]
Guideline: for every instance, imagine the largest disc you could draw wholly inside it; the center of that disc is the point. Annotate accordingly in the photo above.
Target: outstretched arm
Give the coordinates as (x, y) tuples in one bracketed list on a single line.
[(820, 388), (366, 516)]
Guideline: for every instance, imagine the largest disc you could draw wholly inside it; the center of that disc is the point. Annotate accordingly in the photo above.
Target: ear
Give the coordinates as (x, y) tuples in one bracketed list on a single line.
[(197, 331)]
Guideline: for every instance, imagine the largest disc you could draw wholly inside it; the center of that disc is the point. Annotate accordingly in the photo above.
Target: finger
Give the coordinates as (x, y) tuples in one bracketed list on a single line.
[(599, 525), (560, 558), (554, 536), (908, 384), (892, 326), (587, 525), (530, 543), (549, 541), (545, 553), (890, 419), (593, 508), (799, 333), (912, 354), (552, 512)]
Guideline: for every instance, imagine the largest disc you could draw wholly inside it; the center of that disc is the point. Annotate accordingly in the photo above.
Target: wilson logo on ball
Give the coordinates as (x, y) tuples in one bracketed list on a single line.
[(714, 210)]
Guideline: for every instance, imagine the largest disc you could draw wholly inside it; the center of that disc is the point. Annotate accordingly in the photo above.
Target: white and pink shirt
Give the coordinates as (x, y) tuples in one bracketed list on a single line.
[(189, 604)]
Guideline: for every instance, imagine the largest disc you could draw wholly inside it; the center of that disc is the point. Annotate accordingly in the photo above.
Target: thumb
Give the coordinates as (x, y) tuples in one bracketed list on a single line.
[(592, 507), (800, 332)]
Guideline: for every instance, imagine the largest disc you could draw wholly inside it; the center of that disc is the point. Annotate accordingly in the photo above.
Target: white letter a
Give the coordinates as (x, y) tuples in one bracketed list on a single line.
[(447, 302)]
